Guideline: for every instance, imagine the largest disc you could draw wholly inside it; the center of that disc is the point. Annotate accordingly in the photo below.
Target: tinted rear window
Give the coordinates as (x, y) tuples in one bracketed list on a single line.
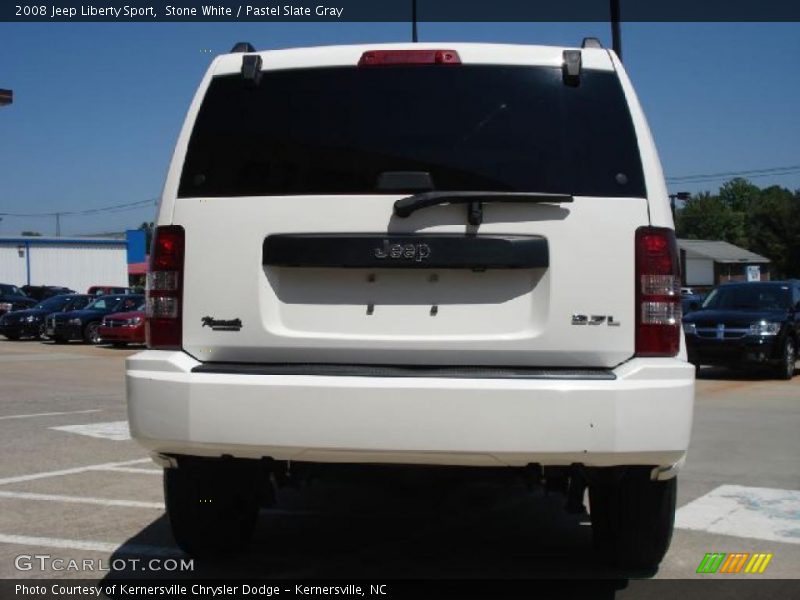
[(487, 128)]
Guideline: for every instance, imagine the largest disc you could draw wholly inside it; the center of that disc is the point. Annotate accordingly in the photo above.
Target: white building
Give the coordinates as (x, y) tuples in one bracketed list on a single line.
[(706, 263), (76, 263)]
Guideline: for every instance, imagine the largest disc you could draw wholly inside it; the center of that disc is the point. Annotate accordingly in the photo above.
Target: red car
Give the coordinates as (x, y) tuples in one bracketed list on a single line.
[(120, 329)]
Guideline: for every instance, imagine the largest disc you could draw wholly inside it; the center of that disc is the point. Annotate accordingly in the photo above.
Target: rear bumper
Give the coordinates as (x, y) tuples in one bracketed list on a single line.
[(643, 416)]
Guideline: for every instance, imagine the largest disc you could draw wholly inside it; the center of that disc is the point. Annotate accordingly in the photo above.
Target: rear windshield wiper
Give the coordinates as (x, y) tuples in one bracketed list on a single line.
[(405, 206)]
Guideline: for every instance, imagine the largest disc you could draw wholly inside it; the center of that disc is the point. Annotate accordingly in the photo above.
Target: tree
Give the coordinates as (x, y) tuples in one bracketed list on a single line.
[(773, 229), (707, 217), (739, 194), (31, 234)]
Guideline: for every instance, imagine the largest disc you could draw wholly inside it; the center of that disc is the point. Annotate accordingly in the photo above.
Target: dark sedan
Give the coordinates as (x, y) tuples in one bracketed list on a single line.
[(43, 292), (13, 298), (747, 324), (31, 322), (84, 324)]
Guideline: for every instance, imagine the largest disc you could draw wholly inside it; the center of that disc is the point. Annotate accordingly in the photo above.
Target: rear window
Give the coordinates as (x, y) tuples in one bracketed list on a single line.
[(486, 128)]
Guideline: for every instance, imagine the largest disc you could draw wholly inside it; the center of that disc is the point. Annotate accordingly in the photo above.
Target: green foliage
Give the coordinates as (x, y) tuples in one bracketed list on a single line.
[(766, 221), (31, 234)]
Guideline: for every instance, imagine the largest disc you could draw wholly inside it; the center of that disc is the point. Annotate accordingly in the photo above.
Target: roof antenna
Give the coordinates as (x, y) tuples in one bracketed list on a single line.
[(414, 21)]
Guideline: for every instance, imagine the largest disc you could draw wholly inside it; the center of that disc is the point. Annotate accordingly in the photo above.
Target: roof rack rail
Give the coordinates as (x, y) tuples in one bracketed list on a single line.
[(242, 47), (591, 42)]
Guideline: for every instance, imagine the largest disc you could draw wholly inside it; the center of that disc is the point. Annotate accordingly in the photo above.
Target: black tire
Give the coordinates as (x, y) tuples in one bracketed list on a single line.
[(12, 336), (632, 518), (212, 511), (90, 335), (788, 360)]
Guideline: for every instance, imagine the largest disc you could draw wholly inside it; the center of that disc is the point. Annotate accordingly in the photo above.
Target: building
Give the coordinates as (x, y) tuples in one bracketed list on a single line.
[(73, 262), (706, 263)]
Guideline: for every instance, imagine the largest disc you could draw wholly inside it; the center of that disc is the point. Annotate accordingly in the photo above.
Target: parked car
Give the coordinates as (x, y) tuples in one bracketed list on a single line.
[(120, 329), (84, 324), (446, 255), (690, 302), (30, 322), (105, 290), (747, 324), (13, 298), (42, 292)]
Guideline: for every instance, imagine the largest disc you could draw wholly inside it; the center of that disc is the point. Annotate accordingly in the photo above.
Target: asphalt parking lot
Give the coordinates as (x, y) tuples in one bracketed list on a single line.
[(74, 486)]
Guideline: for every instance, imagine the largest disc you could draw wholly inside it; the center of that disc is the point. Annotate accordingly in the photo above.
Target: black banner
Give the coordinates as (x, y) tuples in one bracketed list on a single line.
[(607, 589), (398, 10)]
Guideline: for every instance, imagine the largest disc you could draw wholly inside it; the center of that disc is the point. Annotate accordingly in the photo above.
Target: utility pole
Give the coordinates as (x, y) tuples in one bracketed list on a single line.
[(58, 224), (616, 34), (414, 21), (682, 196)]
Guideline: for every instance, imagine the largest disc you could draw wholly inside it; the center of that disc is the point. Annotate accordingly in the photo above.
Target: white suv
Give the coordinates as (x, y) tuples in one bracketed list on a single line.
[(429, 254)]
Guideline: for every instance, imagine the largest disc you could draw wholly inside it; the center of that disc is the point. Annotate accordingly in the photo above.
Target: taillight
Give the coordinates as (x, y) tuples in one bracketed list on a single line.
[(164, 325), (658, 299), (385, 58)]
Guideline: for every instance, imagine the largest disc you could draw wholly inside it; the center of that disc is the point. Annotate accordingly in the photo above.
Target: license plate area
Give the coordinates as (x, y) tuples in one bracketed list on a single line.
[(407, 303)]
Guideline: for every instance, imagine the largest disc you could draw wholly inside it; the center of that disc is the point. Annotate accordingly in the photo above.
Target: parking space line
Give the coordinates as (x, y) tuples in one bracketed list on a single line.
[(80, 500), (748, 512), (50, 414), (86, 545), (134, 470), (113, 430), (73, 471)]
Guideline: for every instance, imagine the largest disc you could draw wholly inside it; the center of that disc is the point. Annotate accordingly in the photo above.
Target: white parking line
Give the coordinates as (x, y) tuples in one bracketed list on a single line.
[(50, 414), (46, 542), (81, 500), (135, 470), (745, 512), (73, 471), (112, 430)]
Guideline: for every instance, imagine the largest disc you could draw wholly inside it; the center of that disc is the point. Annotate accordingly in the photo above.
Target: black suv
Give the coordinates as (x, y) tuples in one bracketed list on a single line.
[(13, 298), (43, 292), (83, 324), (31, 321), (747, 324)]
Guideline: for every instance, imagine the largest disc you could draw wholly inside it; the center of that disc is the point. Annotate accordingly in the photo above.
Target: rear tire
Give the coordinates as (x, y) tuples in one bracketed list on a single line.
[(212, 508), (632, 518), (788, 360)]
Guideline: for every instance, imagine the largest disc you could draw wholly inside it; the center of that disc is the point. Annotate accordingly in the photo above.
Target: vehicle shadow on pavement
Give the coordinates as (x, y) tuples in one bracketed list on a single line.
[(390, 529)]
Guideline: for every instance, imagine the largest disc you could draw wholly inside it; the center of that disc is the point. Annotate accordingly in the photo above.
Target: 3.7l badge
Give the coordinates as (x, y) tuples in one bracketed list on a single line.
[(594, 320)]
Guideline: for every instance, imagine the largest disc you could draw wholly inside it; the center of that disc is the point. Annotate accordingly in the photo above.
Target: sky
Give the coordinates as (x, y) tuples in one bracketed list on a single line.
[(98, 106)]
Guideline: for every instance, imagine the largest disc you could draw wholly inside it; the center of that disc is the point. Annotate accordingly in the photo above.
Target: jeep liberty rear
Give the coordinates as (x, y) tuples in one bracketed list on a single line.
[(428, 254)]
